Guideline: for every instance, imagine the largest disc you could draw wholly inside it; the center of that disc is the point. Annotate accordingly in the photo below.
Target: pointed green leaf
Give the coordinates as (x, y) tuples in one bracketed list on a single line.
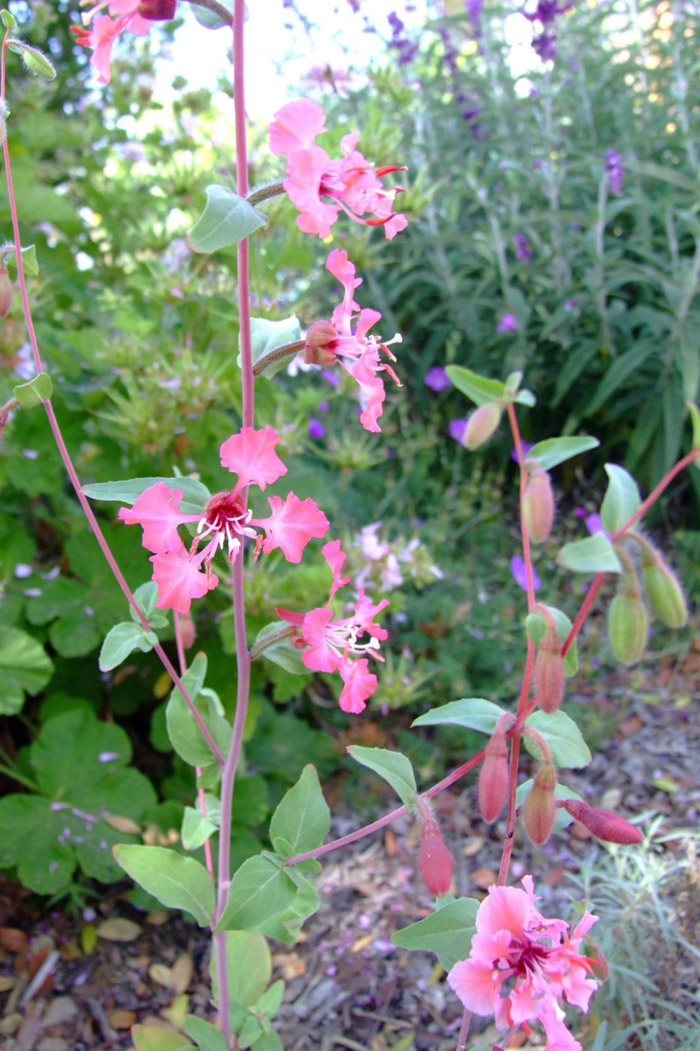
[(621, 498), (595, 554), (302, 817), (554, 451), (477, 388), (8, 19), (156, 1038), (392, 766), (269, 1042), (196, 828), (267, 336), (24, 665), (194, 495), (286, 926), (260, 889), (146, 596), (179, 883), (206, 1035), (29, 260), (271, 1000), (474, 713), (535, 626), (249, 967), (563, 736), (447, 932), (35, 392), (226, 220), (186, 737), (123, 639), (282, 653)]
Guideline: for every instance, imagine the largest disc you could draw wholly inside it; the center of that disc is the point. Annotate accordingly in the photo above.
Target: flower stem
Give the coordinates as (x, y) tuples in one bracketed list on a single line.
[(264, 193), (285, 351)]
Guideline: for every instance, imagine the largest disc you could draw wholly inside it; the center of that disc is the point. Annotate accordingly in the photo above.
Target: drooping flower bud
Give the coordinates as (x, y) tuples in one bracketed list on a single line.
[(493, 777), (481, 425), (549, 671), (188, 631), (664, 590), (628, 622), (540, 806), (319, 339), (157, 10), (604, 824), (5, 292), (538, 505), (434, 860)]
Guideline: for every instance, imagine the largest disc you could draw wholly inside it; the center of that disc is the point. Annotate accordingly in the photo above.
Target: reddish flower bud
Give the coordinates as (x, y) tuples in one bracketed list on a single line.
[(538, 505), (628, 622), (481, 425), (434, 860), (319, 340), (157, 10), (604, 824), (188, 632), (5, 292), (549, 671), (493, 777), (664, 591), (540, 806)]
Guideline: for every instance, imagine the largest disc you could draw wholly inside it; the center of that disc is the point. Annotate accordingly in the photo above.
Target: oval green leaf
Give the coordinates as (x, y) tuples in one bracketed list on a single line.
[(394, 767), (594, 554), (563, 736), (474, 713), (621, 498), (226, 220), (447, 932), (477, 388), (179, 883), (260, 889), (35, 392), (554, 451), (195, 495), (302, 817)]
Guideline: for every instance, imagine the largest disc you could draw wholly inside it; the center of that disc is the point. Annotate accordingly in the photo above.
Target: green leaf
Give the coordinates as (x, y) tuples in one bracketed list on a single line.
[(123, 639), (269, 1042), (562, 819), (447, 932), (146, 597), (563, 736), (209, 19), (554, 451), (226, 220), (281, 653), (695, 420), (621, 498), (24, 666), (267, 336), (179, 883), (271, 1000), (206, 1035), (29, 260), (479, 389), (186, 737), (259, 889), (623, 366), (535, 626), (196, 828), (156, 1038), (474, 713), (302, 817), (392, 766), (8, 20), (525, 397), (249, 966), (195, 495), (286, 926), (595, 554), (35, 392)]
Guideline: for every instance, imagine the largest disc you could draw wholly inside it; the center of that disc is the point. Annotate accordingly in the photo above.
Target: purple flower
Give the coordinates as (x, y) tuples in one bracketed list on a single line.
[(324, 406), (331, 377), (508, 323), (519, 572), (545, 45), (457, 428), (523, 252), (594, 525), (316, 428), (436, 378), (614, 171), (526, 449)]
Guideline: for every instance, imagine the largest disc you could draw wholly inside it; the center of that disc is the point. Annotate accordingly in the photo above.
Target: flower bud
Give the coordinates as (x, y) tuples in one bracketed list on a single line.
[(188, 632), (628, 622), (319, 339), (5, 292), (481, 425), (664, 591), (540, 806), (604, 824), (538, 506), (434, 860), (549, 671), (157, 10), (493, 778)]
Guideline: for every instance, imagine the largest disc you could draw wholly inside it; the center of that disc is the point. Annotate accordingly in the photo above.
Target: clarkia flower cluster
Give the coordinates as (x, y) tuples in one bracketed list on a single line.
[(182, 573), (521, 965), (342, 644), (134, 16), (349, 183)]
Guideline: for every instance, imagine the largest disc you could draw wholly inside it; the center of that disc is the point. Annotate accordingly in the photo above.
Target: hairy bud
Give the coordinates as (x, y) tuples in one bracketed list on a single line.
[(481, 425), (604, 824), (5, 292), (549, 671), (493, 777), (628, 622), (319, 339), (538, 506), (540, 806), (664, 591), (157, 10), (434, 860)]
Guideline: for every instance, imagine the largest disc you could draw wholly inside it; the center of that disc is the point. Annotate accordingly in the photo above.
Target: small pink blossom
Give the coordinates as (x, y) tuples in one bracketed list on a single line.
[(350, 182), (521, 965), (182, 574), (134, 16), (331, 645), (357, 352)]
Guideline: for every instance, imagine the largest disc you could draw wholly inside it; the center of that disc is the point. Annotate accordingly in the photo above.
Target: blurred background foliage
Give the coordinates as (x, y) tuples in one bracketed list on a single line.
[(560, 195)]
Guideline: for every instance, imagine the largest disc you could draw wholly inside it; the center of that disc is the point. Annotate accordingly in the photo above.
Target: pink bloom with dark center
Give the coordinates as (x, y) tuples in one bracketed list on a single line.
[(521, 965), (349, 182), (331, 645), (134, 16), (182, 574)]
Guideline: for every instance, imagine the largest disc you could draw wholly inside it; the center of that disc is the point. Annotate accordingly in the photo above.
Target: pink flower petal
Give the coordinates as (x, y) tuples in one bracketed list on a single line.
[(157, 510), (335, 557), (359, 685), (291, 525), (296, 125), (251, 455), (179, 580)]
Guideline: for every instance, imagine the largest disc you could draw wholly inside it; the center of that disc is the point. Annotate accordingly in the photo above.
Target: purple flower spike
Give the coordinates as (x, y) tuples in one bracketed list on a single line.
[(519, 572), (523, 251), (508, 323), (437, 379), (457, 428), (614, 171)]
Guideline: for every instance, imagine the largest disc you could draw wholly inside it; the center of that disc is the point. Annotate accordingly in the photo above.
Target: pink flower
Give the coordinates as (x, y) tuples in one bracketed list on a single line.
[(330, 645), (135, 16), (358, 353), (351, 182), (521, 965), (182, 574)]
